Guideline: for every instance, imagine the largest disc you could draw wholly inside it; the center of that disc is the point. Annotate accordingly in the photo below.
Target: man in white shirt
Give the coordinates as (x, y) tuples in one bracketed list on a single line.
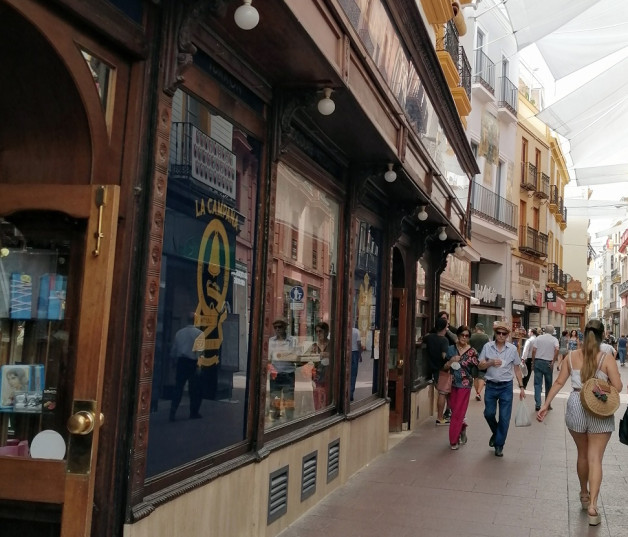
[(544, 353), (281, 368), (526, 355)]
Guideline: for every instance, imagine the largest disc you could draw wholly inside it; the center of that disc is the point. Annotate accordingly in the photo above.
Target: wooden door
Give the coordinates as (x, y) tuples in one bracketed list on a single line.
[(56, 269), (397, 358)]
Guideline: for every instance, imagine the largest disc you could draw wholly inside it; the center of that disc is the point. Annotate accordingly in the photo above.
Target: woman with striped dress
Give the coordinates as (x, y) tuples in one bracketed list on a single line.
[(591, 434)]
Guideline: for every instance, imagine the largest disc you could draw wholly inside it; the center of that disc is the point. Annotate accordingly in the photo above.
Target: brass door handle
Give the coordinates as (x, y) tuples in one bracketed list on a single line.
[(400, 363), (83, 422)]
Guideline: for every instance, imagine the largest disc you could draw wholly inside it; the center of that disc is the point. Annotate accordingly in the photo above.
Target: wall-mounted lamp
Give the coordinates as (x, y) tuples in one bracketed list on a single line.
[(422, 216), (326, 106), (246, 16), (390, 175), (442, 235), (458, 249)]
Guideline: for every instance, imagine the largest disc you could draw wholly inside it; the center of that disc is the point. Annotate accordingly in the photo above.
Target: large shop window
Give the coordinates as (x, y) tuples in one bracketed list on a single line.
[(366, 311), (201, 371), (301, 359)]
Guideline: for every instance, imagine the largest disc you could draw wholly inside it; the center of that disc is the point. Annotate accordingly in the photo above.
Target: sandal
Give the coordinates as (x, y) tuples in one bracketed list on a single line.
[(585, 500), (594, 520)]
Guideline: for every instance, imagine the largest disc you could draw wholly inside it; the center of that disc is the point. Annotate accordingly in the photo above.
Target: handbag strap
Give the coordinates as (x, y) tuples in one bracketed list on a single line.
[(599, 364)]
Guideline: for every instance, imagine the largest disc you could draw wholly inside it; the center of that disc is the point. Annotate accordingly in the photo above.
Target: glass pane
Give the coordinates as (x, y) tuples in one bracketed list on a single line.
[(300, 353), (201, 362), (366, 308), (38, 263), (102, 75)]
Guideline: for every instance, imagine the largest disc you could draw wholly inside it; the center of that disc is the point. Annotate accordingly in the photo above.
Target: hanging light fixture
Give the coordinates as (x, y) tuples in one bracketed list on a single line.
[(390, 175), (422, 216), (246, 16), (442, 235), (326, 106)]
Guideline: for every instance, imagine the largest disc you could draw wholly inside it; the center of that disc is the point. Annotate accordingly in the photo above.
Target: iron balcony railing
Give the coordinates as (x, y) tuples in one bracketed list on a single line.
[(464, 70), (484, 71), (196, 156), (553, 195), (623, 288), (532, 242), (565, 215), (508, 95), (528, 176), (543, 187), (565, 279), (489, 206), (560, 278), (450, 41), (552, 274), (561, 204)]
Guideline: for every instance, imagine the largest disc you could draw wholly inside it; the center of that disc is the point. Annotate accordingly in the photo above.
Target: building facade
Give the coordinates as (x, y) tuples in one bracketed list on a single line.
[(198, 206)]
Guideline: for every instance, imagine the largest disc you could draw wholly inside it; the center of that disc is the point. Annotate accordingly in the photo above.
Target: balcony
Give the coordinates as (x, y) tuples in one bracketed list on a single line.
[(615, 276), (560, 207), (552, 275), (484, 78), (553, 199), (565, 279), (543, 186), (447, 50), (507, 100), (489, 206), (623, 242), (462, 93), (532, 242), (197, 158), (528, 176), (623, 288), (563, 223), (613, 307)]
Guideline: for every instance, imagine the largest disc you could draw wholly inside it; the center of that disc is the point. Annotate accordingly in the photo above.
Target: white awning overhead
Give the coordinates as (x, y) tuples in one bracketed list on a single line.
[(572, 35), (594, 120), (533, 19), (596, 33)]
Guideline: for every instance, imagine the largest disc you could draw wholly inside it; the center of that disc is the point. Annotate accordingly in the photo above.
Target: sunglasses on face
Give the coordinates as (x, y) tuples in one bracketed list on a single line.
[(465, 335), (502, 333)]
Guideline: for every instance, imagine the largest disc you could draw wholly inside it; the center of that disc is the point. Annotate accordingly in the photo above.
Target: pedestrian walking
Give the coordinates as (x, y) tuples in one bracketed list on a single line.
[(621, 349), (462, 360), (478, 339), (590, 434), (544, 353), (501, 362), (526, 355), (436, 345)]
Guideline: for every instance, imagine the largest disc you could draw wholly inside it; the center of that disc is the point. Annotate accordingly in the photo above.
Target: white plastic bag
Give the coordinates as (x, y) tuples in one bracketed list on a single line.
[(522, 417), (524, 368)]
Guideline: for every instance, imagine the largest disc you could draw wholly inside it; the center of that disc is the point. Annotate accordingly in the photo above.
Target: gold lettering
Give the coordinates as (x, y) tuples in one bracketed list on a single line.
[(200, 209)]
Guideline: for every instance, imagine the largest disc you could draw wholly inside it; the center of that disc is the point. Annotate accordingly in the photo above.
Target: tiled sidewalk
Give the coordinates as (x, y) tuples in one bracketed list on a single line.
[(421, 487)]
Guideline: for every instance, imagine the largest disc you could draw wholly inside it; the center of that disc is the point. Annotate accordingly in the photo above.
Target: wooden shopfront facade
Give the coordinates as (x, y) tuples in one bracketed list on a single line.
[(164, 172)]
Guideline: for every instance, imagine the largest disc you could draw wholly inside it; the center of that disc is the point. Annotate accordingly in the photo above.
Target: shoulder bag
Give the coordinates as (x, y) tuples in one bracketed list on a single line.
[(598, 397)]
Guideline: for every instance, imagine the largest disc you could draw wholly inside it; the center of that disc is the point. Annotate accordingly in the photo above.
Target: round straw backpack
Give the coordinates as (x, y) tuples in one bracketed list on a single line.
[(599, 398)]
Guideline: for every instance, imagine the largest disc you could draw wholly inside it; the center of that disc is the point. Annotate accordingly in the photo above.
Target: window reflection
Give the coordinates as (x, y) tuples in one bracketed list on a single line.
[(304, 259), (102, 75), (364, 356), (200, 376)]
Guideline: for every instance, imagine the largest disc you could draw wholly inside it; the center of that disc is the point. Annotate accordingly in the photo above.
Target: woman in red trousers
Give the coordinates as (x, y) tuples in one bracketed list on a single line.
[(462, 362)]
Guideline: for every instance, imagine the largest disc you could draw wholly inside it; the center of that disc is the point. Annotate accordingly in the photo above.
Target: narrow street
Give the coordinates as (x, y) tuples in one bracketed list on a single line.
[(421, 487)]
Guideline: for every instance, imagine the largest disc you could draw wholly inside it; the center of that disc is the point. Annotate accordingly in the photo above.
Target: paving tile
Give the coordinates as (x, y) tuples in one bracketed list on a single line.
[(422, 488)]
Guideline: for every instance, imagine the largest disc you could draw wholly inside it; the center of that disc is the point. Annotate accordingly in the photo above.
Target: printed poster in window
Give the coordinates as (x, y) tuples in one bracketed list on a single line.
[(489, 138)]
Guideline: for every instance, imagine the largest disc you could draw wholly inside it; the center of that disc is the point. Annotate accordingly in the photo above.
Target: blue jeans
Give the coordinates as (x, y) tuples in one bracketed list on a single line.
[(355, 360), (498, 392), (622, 356), (542, 370)]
